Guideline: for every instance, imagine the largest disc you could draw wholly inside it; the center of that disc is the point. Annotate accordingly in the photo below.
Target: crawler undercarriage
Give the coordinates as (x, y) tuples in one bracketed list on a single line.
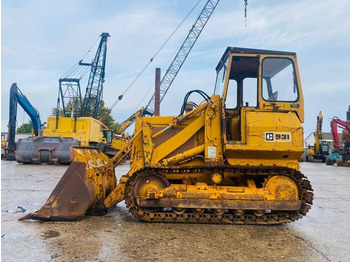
[(253, 195)]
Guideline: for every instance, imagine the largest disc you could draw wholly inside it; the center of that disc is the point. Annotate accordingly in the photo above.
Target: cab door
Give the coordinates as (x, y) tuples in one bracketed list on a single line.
[(240, 94)]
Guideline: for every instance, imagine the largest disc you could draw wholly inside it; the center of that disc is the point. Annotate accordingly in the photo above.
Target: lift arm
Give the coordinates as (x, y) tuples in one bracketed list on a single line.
[(16, 96)]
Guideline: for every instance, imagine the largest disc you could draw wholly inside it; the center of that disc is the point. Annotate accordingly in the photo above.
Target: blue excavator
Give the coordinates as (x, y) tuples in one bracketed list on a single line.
[(17, 97), (40, 149)]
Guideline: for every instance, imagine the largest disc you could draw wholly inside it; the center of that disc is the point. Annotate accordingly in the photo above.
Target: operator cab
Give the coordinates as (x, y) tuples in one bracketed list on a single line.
[(107, 135), (256, 80)]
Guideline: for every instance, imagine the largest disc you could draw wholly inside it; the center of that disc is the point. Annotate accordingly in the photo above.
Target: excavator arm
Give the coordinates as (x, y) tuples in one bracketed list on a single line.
[(334, 127), (17, 97)]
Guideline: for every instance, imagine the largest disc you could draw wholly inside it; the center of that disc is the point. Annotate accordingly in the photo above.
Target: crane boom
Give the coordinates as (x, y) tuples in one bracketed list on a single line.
[(176, 64), (183, 52), (96, 79)]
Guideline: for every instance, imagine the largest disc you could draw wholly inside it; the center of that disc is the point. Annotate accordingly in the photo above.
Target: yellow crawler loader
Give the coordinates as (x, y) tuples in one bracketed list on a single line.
[(231, 160)]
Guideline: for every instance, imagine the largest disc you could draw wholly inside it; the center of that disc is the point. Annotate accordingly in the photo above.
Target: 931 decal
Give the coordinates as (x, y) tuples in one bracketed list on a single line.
[(278, 137)]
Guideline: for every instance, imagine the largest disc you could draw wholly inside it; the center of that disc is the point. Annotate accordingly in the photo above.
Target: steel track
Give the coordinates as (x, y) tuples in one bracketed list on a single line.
[(249, 218)]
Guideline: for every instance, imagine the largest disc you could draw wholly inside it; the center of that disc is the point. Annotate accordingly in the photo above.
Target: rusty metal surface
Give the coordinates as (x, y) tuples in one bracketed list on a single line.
[(222, 204), (157, 93), (208, 210), (70, 199)]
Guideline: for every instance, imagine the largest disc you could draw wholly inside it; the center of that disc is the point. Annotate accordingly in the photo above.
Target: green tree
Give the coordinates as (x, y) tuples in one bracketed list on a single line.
[(25, 128), (105, 114)]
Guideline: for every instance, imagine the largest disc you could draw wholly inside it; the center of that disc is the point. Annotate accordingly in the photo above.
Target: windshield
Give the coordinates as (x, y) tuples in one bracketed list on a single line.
[(220, 80), (279, 81), (108, 135)]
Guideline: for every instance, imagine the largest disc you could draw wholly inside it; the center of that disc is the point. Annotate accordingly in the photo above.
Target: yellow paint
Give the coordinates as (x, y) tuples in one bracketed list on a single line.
[(118, 142), (87, 129), (98, 172), (268, 134)]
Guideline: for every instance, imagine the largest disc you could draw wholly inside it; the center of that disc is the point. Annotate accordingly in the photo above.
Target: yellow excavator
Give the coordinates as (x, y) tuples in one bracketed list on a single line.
[(231, 160), (3, 144), (320, 150)]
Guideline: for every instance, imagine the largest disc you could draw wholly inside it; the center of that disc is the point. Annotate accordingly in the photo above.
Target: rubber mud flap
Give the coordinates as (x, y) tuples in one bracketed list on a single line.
[(71, 198)]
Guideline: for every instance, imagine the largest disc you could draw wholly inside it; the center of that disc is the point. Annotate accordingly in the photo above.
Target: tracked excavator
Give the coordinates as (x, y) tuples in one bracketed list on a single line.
[(341, 155), (320, 150), (231, 160)]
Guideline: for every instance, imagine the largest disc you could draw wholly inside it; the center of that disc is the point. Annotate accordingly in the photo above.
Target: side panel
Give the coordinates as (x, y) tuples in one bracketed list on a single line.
[(87, 129), (195, 137), (271, 138)]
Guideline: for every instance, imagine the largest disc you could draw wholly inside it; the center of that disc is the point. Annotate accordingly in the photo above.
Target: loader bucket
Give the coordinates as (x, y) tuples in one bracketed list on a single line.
[(70, 199), (82, 188)]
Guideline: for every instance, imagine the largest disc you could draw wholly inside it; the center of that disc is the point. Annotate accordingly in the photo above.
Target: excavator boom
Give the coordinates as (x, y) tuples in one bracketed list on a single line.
[(17, 97), (334, 127)]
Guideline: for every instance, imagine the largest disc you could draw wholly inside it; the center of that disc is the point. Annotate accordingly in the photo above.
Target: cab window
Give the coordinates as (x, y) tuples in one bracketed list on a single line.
[(278, 80), (220, 80), (244, 76), (231, 97), (250, 94)]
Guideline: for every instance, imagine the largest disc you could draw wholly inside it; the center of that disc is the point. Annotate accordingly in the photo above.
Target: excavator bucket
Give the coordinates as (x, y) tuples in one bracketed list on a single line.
[(82, 188)]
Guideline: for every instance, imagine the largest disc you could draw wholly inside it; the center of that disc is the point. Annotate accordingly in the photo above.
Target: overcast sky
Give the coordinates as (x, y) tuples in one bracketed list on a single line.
[(42, 39)]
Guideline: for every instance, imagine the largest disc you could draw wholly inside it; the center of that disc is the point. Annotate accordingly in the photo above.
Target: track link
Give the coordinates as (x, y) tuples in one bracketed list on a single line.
[(249, 218)]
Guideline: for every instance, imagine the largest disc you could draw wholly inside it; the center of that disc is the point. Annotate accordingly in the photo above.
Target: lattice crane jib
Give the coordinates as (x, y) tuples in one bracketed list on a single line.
[(184, 50), (70, 95), (94, 87)]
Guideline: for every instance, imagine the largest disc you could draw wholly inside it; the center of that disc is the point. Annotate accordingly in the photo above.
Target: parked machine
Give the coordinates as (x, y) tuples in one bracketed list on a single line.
[(78, 125), (3, 144), (320, 150), (17, 97), (231, 160), (76, 109), (341, 155)]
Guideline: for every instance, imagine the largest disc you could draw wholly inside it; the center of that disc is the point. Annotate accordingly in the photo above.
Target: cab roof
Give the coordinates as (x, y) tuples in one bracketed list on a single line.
[(242, 50)]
